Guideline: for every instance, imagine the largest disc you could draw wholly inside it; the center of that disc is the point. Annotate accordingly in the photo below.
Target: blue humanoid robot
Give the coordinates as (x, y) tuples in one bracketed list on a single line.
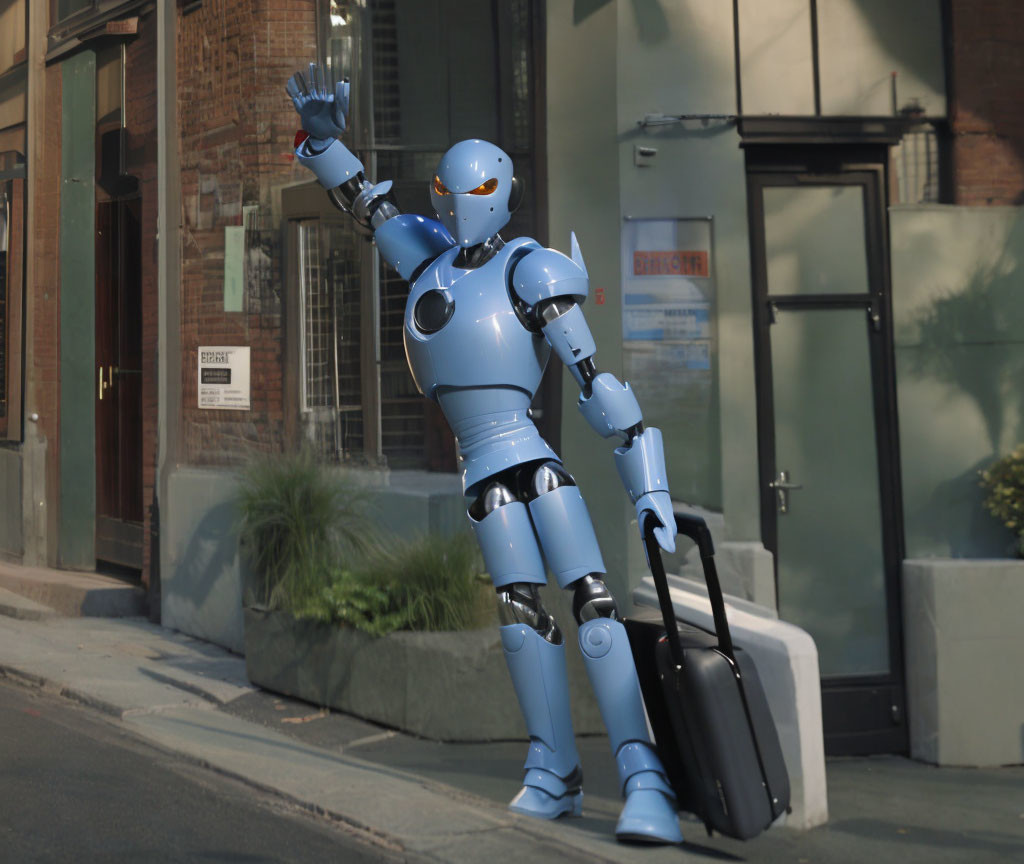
[(482, 317)]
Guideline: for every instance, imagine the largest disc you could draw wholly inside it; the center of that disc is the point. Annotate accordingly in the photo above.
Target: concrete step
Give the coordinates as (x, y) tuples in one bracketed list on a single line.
[(72, 593), (15, 606)]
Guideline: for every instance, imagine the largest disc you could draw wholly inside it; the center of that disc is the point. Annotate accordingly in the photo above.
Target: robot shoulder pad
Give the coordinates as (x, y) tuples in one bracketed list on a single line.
[(544, 274), (406, 241)]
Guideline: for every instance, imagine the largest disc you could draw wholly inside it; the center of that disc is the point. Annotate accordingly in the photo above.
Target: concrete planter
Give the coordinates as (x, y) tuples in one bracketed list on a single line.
[(443, 686), (964, 644)]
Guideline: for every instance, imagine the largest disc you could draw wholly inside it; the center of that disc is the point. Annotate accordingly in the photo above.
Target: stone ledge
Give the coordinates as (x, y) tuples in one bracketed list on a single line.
[(442, 686)]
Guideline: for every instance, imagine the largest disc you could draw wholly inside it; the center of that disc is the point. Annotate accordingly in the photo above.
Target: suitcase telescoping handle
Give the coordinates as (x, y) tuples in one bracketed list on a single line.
[(696, 529)]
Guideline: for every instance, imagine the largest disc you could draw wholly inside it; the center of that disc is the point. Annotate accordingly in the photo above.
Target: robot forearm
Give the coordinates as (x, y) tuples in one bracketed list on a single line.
[(611, 409), (341, 173)]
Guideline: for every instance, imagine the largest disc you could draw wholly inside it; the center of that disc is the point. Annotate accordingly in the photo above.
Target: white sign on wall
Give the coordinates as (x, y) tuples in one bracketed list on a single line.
[(224, 378)]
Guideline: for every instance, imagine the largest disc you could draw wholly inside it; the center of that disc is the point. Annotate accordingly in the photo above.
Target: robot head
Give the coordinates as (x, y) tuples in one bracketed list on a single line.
[(474, 192)]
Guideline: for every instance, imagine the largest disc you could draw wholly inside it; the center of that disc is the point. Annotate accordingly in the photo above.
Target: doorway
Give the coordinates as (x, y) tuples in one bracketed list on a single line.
[(119, 507), (830, 499)]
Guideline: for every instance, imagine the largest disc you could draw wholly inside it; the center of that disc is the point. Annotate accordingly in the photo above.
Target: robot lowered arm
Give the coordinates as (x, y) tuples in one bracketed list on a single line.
[(554, 286)]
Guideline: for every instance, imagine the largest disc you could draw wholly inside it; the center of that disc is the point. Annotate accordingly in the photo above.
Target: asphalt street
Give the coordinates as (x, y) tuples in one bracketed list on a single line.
[(76, 787)]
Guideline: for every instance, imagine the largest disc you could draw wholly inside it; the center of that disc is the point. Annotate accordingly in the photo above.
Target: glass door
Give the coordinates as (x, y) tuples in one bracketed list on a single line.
[(829, 491)]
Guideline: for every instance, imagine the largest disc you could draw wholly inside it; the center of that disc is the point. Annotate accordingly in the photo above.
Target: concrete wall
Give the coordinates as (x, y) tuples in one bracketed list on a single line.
[(959, 334), (863, 47), (202, 586), (964, 652), (655, 58), (583, 189)]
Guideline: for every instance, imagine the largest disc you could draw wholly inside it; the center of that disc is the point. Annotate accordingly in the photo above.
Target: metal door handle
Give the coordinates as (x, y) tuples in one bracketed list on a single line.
[(782, 488)]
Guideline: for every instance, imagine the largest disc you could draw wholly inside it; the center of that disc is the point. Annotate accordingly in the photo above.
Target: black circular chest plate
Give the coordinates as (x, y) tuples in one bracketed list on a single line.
[(433, 310)]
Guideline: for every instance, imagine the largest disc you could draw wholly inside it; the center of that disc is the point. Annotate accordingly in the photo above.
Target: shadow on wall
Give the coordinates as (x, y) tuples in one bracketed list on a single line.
[(210, 553), (988, 311), (971, 340)]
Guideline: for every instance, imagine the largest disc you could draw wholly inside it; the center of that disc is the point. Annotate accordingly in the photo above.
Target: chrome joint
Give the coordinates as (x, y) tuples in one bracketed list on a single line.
[(497, 495), (549, 310), (549, 477), (520, 603), (592, 599)]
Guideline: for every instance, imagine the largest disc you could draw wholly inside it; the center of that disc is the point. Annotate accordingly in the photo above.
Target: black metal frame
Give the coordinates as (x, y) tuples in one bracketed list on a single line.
[(851, 705)]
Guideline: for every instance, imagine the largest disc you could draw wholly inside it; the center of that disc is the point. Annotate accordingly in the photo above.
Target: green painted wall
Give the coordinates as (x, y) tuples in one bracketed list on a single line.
[(77, 542), (11, 518), (958, 312)]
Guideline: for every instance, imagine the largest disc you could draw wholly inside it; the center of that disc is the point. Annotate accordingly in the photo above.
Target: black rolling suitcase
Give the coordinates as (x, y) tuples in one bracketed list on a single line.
[(707, 708)]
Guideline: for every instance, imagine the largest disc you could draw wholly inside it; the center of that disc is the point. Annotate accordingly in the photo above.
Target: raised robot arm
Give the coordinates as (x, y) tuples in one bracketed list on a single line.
[(553, 287), (405, 241)]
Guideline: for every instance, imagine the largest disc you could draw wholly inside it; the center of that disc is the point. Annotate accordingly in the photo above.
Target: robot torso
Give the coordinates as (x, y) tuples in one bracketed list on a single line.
[(469, 351)]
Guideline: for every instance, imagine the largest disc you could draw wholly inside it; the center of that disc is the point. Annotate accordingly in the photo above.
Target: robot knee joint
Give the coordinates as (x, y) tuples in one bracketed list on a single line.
[(592, 599), (520, 603)]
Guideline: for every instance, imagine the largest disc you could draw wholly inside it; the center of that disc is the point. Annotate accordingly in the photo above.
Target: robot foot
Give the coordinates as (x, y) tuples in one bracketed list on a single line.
[(648, 817), (547, 796), (535, 802)]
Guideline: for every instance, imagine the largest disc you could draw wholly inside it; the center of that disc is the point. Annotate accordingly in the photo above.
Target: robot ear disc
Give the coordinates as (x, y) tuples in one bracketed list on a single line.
[(515, 195)]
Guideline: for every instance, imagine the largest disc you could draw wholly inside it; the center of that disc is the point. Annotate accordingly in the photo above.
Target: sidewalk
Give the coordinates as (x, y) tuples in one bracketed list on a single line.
[(446, 802)]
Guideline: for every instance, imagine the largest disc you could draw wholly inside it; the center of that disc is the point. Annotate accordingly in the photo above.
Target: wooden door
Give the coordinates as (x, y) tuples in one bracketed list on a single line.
[(118, 379)]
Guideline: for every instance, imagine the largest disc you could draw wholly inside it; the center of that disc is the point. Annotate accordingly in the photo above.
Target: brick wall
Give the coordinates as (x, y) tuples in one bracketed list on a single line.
[(987, 99), (237, 127)]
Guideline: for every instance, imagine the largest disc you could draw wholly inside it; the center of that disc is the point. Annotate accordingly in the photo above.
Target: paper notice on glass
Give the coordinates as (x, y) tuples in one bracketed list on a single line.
[(666, 280), (234, 256), (224, 378)]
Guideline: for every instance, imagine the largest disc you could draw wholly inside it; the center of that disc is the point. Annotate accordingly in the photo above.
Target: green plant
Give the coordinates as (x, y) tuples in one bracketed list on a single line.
[(431, 583), (297, 521), (439, 583), (1004, 482)]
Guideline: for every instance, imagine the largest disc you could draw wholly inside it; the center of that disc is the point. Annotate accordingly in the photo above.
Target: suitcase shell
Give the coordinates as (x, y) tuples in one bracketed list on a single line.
[(707, 708)]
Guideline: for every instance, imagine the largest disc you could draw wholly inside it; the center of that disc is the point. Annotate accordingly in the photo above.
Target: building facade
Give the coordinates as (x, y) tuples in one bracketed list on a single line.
[(801, 218)]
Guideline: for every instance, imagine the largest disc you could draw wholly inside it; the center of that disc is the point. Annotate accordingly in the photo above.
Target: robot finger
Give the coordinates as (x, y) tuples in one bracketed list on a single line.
[(341, 94)]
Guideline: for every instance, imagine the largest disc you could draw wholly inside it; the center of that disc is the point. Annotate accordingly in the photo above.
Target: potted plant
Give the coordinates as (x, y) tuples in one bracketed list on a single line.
[(401, 633), (1004, 483)]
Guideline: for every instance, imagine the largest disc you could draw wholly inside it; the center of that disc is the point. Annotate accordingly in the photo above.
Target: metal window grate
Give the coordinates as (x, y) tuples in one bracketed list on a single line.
[(916, 163), (329, 290), (386, 102), (316, 320)]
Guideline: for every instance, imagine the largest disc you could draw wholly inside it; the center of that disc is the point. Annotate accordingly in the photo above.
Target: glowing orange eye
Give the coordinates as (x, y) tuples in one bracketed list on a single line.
[(439, 187), (485, 188)]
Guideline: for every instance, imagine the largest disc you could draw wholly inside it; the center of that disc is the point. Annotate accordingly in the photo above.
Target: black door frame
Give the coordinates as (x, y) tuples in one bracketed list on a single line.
[(863, 714)]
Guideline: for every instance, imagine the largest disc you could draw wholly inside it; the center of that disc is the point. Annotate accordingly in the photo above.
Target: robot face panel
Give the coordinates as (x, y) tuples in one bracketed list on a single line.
[(471, 191)]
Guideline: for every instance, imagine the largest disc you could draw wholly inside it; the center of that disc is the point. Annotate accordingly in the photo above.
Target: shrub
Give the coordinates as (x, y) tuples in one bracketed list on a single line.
[(1004, 482), (432, 583), (298, 522), (440, 584)]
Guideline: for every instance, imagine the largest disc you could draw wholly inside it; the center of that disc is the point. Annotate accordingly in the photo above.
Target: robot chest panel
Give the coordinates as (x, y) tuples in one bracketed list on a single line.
[(461, 329)]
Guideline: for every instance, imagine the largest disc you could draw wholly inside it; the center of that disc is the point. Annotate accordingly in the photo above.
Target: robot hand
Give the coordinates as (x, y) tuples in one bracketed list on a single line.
[(660, 504), (323, 114)]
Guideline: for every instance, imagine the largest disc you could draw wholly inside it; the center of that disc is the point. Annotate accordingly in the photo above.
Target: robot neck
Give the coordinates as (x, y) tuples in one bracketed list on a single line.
[(477, 256)]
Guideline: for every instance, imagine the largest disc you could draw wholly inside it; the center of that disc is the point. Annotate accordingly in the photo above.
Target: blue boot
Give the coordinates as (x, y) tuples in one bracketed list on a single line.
[(552, 782), (649, 814)]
